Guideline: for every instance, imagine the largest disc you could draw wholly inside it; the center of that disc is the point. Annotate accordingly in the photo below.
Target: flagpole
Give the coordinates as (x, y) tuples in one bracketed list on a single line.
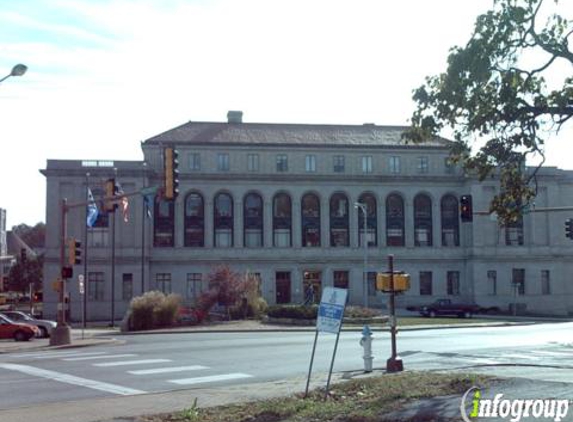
[(86, 253), (143, 217)]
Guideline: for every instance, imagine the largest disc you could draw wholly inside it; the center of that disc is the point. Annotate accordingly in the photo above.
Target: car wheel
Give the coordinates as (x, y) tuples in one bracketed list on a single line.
[(467, 314), (20, 336), (432, 314), (43, 332)]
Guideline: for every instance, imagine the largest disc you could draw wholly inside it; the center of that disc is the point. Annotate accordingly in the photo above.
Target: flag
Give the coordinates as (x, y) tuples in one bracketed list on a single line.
[(147, 201), (92, 211), (124, 203)]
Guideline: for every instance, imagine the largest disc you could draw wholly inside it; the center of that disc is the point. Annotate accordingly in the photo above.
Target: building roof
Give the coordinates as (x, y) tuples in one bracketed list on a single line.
[(221, 133)]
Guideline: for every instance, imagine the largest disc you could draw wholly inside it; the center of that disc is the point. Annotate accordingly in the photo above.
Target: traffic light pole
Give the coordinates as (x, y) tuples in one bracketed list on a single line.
[(62, 334)]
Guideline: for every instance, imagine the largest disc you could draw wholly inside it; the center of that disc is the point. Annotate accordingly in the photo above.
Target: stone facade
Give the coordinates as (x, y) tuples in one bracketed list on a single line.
[(242, 171)]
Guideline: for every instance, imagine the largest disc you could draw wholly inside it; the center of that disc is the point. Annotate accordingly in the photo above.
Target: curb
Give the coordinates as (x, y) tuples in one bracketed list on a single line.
[(35, 348)]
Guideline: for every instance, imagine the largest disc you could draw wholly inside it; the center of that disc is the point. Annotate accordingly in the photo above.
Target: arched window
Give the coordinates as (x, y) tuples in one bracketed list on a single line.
[(223, 220), (163, 227), (339, 233), (253, 220), (422, 220), (371, 220), (194, 220), (450, 221), (394, 220), (282, 220), (310, 209)]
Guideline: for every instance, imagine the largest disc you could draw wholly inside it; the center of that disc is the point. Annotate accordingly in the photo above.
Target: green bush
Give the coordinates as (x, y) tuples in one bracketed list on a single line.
[(293, 311), (153, 309)]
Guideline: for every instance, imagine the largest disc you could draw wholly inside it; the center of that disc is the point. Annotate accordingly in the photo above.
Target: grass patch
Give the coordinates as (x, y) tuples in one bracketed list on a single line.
[(358, 400)]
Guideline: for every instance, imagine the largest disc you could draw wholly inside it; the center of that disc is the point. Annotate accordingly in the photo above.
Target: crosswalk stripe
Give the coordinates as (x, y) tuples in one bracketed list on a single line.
[(545, 352), (167, 370), (70, 379), (518, 356), (212, 378), (131, 362), (127, 355), (67, 354)]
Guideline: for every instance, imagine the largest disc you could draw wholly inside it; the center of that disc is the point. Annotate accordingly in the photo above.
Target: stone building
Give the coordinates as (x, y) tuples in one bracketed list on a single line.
[(287, 202)]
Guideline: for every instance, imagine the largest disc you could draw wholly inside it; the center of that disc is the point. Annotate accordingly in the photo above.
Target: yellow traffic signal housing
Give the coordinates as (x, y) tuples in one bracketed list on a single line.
[(74, 251), (171, 173), (401, 282)]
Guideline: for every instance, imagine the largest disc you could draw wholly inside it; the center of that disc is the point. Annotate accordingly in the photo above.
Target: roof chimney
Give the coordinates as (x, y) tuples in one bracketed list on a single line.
[(235, 117)]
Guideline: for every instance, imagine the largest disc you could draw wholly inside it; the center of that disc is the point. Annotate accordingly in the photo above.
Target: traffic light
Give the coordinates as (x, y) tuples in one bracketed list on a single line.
[(110, 192), (569, 228), (466, 209), (74, 251), (23, 256), (67, 272), (171, 176)]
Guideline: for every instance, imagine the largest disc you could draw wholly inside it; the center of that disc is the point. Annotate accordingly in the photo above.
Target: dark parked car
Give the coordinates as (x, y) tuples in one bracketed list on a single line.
[(45, 326), (447, 307)]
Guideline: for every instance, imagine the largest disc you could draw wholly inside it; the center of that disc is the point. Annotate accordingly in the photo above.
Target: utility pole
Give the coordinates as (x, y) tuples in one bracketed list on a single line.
[(364, 207)]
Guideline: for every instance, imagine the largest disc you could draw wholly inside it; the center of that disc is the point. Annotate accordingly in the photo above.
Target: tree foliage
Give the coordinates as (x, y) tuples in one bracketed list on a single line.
[(35, 237), (502, 89), (22, 274)]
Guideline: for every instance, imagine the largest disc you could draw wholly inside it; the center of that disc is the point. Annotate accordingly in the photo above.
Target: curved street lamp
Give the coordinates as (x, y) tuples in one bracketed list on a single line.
[(17, 70)]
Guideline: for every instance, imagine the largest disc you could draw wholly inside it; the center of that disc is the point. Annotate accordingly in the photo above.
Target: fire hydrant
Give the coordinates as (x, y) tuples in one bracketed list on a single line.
[(366, 343)]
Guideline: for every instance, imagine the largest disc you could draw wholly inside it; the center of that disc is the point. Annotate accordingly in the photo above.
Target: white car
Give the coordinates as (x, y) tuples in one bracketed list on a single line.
[(45, 326)]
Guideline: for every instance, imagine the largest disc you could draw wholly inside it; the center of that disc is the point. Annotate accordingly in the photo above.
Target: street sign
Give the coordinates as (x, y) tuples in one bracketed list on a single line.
[(331, 310), (81, 284)]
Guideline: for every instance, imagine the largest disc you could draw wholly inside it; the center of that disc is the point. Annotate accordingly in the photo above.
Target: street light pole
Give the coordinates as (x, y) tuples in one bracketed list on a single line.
[(17, 70), (363, 207)]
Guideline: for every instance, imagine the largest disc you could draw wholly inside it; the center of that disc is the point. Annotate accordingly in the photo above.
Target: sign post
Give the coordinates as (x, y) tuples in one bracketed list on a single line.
[(82, 290), (329, 320)]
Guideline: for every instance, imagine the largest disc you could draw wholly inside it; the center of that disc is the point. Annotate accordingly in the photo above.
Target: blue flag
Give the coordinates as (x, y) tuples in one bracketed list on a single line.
[(148, 200), (92, 211)]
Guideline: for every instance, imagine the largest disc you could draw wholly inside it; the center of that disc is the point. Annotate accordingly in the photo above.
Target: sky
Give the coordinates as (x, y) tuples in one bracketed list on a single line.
[(105, 75)]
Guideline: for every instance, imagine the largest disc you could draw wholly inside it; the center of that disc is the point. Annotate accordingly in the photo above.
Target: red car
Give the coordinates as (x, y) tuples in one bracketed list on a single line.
[(16, 330)]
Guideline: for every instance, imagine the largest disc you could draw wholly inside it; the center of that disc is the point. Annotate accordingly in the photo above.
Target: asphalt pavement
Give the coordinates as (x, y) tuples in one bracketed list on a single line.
[(126, 408)]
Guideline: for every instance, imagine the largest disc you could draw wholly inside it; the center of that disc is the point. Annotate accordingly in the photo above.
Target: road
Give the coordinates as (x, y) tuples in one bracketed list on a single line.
[(163, 362)]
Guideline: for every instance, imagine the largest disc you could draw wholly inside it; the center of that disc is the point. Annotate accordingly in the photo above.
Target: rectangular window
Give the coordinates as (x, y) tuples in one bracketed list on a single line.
[(253, 238), (195, 161), (545, 283), (371, 282), (492, 282), (195, 286), (514, 235), (367, 164), (282, 163), (95, 286), (338, 164), (453, 283), (518, 280), (163, 282), (223, 161), (341, 279), (449, 166), (127, 287), (253, 162), (425, 283), (422, 165), (283, 286), (394, 164), (310, 163)]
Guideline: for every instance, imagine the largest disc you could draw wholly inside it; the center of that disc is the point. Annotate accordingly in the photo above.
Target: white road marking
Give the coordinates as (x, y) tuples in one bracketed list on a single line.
[(131, 362), (544, 352), (212, 378), (485, 361), (70, 379), (127, 355), (167, 370), (518, 356), (51, 355)]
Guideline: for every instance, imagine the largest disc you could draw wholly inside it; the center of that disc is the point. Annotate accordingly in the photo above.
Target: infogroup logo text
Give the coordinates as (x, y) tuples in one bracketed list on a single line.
[(512, 409)]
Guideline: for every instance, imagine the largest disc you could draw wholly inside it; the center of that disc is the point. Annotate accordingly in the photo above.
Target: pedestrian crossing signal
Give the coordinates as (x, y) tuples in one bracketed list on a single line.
[(466, 209)]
